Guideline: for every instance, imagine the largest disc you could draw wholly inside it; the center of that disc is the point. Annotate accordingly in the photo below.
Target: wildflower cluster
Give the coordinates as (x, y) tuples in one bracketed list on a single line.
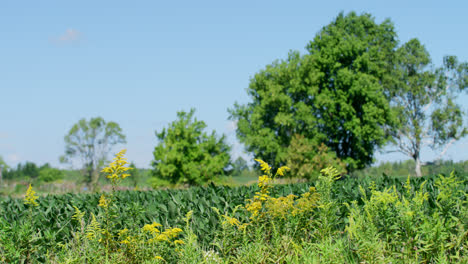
[(157, 236), (149, 243), (104, 202), (264, 183), (31, 197), (94, 230), (116, 171), (228, 221)]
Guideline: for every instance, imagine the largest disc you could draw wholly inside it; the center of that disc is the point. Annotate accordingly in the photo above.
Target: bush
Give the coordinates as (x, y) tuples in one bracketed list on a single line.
[(186, 154), (50, 175), (306, 158)]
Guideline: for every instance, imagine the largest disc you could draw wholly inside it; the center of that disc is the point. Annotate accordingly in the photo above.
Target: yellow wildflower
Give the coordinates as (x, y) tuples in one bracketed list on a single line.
[(263, 196), (254, 207), (162, 237), (30, 197), (159, 257), (172, 232), (123, 232), (103, 202), (264, 166), (93, 229), (281, 170), (230, 220), (78, 215), (153, 228), (243, 226), (179, 242), (263, 181), (116, 170)]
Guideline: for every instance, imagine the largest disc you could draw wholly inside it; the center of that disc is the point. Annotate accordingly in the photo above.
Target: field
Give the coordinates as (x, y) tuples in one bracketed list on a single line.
[(331, 220)]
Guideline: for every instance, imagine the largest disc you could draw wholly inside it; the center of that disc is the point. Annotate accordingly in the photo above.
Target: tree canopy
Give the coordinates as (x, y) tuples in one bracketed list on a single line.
[(424, 99), (186, 154), (336, 94), (90, 142)]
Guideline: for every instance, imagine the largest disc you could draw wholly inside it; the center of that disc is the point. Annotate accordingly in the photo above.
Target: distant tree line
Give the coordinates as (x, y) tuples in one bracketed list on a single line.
[(406, 168), (29, 170)]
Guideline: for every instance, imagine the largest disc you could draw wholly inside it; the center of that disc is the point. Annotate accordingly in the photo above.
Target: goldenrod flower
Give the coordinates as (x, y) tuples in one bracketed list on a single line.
[(78, 215), (179, 242), (94, 228), (281, 170), (159, 257), (264, 166), (263, 181), (152, 228), (123, 232), (103, 202), (30, 197), (172, 232), (116, 170), (262, 196), (243, 226), (254, 207), (230, 220)]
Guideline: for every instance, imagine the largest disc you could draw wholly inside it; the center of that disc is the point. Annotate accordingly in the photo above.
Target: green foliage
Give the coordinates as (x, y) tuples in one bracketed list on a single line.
[(404, 225), (28, 170), (3, 164), (188, 155), (424, 99), (306, 159), (55, 229), (135, 174), (335, 94), (90, 142), (239, 167), (50, 174)]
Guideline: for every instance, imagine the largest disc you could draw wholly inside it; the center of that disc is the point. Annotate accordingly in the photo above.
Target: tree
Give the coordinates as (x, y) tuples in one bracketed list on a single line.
[(334, 95), (29, 170), (307, 158), (239, 166), (186, 154), (425, 101), (90, 142)]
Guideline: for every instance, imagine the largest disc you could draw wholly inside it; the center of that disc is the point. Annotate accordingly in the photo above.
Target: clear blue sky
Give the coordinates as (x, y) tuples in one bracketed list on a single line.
[(139, 62)]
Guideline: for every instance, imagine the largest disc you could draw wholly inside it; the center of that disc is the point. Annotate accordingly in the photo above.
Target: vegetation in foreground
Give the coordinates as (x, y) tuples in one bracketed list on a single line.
[(403, 223)]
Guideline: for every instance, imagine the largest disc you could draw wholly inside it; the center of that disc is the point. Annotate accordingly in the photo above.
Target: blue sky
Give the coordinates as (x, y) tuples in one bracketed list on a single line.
[(139, 62)]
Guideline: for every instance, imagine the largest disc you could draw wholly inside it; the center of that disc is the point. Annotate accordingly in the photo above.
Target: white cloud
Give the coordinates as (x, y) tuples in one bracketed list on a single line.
[(69, 36)]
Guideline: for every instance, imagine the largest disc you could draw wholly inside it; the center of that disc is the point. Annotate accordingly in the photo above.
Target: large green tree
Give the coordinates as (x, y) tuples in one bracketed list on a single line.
[(336, 94), (186, 154), (89, 142), (425, 99)]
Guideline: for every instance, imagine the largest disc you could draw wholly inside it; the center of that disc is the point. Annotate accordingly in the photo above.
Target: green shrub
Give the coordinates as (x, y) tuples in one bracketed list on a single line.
[(50, 175), (306, 158)]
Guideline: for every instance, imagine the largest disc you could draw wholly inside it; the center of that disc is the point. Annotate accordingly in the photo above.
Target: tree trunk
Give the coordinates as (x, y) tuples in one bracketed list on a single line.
[(89, 174), (418, 167)]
